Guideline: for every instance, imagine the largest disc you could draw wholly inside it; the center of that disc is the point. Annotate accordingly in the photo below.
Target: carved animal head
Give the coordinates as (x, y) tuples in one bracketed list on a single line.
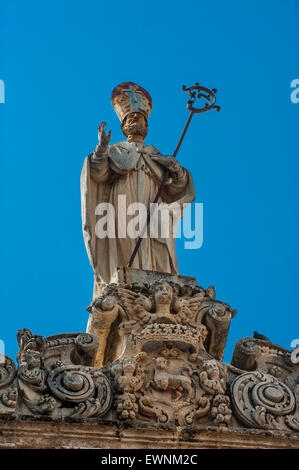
[(161, 363)]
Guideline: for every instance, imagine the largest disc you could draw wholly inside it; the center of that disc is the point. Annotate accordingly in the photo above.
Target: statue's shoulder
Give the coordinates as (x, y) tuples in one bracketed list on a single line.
[(152, 150), (127, 146), (119, 146)]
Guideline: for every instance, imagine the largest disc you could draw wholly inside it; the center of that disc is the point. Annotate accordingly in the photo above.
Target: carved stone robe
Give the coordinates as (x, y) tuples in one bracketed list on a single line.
[(128, 169)]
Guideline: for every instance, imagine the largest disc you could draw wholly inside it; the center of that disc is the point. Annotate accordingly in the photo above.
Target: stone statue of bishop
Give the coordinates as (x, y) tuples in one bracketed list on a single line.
[(135, 170)]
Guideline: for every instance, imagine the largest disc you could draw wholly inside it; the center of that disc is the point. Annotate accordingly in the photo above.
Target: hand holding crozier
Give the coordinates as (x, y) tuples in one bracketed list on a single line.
[(169, 162)]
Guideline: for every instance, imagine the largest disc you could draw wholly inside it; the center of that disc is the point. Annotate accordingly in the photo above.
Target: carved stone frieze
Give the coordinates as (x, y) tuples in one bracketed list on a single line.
[(160, 344)]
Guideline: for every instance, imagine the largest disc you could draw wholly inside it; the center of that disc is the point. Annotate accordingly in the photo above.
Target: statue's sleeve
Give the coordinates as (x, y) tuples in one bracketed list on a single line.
[(178, 184), (181, 188), (99, 165)]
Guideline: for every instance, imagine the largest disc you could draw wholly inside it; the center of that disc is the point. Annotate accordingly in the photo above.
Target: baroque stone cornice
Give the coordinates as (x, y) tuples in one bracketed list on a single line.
[(152, 359)]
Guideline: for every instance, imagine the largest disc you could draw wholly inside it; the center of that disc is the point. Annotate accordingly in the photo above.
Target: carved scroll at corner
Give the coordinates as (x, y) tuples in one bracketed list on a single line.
[(87, 389), (59, 388), (262, 401), (66, 390)]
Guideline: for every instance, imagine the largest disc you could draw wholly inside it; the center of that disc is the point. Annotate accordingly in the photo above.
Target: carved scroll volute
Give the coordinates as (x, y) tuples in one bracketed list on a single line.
[(217, 319), (245, 354), (104, 311), (261, 401), (294, 356), (86, 388), (86, 346)]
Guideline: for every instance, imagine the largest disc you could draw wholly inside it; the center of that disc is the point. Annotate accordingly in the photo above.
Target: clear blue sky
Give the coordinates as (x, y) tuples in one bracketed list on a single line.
[(60, 61)]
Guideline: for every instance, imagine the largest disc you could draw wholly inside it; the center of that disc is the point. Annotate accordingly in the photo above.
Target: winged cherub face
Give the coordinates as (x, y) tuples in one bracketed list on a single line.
[(163, 294), (212, 369)]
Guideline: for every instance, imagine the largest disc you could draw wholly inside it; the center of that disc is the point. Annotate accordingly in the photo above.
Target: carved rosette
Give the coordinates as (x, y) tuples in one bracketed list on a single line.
[(260, 400)]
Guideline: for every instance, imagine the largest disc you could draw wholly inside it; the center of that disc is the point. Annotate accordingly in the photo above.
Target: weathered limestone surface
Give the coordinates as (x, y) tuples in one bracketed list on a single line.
[(152, 378), (28, 434)]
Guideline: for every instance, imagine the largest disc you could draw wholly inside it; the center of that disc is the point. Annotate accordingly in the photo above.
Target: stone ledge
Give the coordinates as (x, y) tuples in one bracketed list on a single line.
[(32, 434)]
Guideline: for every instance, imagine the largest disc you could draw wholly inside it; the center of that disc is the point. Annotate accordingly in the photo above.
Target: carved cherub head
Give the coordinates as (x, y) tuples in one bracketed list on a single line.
[(163, 293), (129, 366), (33, 359), (211, 366)]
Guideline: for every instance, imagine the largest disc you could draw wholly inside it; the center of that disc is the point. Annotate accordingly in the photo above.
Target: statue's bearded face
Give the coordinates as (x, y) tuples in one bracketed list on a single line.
[(135, 124)]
